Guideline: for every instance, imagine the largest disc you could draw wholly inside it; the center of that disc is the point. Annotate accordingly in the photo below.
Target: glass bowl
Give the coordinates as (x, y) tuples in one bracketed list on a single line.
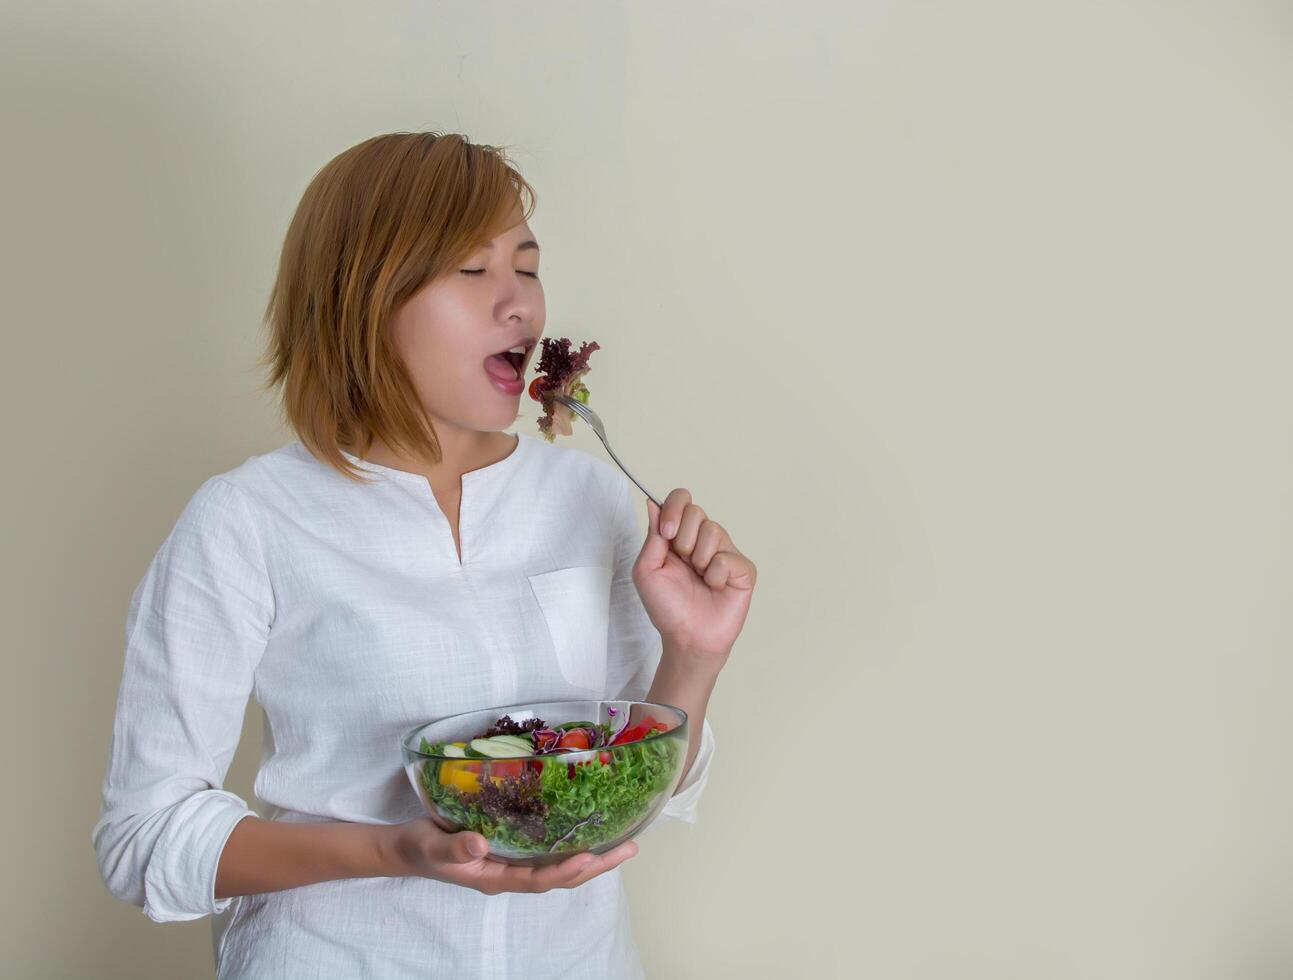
[(541, 808)]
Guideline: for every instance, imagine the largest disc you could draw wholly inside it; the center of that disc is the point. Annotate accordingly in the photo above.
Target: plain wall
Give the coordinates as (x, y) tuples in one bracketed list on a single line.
[(970, 321)]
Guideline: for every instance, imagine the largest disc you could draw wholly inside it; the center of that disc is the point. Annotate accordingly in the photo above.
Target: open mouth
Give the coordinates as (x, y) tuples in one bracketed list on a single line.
[(507, 365), (515, 358)]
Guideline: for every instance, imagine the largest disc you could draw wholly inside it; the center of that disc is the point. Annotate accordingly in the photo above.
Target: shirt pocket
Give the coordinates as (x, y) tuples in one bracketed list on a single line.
[(576, 603)]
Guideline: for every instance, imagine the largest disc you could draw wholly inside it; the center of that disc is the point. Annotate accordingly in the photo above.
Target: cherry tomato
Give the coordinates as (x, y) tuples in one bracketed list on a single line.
[(576, 739), (534, 389)]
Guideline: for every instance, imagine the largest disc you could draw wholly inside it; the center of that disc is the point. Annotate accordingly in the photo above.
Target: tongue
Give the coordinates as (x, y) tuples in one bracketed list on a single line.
[(500, 367)]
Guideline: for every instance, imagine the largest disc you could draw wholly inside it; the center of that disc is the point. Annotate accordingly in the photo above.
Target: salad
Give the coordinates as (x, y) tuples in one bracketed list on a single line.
[(561, 371), (510, 785)]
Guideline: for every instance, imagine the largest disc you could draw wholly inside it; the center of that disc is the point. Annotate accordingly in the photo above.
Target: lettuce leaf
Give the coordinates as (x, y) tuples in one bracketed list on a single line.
[(565, 807)]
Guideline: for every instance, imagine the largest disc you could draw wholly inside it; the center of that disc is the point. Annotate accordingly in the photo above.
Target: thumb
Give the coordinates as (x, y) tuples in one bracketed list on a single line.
[(465, 847), (656, 548)]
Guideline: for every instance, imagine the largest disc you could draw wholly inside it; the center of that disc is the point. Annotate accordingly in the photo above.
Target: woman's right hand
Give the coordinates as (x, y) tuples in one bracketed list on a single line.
[(421, 847)]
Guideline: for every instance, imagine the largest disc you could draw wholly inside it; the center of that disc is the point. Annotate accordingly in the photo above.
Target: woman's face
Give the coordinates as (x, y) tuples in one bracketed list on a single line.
[(448, 330)]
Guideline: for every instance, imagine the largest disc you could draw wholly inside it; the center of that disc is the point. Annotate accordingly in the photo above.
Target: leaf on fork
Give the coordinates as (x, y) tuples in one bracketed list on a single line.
[(561, 371)]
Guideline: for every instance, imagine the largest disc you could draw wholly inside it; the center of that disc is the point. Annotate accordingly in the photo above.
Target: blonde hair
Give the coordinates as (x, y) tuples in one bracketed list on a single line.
[(375, 224)]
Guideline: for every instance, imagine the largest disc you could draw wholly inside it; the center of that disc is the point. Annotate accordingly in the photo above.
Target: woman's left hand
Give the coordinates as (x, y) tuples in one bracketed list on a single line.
[(695, 585)]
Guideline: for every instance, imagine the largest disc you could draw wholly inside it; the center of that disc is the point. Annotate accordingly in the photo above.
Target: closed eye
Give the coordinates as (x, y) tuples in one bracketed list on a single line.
[(477, 272)]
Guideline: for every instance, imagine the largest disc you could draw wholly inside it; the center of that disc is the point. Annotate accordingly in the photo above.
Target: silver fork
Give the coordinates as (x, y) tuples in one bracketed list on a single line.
[(590, 417)]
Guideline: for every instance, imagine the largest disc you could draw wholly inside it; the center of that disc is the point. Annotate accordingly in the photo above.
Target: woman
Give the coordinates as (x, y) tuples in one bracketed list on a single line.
[(402, 560)]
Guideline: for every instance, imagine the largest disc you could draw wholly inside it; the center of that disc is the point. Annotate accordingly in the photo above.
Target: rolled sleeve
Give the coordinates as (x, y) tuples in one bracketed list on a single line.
[(197, 627), (634, 649), (179, 882), (684, 803)]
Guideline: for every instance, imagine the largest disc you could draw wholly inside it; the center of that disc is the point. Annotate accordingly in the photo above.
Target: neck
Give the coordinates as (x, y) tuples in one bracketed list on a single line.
[(462, 450)]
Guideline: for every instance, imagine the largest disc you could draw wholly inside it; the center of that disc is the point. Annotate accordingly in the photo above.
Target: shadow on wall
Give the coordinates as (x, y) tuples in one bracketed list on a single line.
[(142, 384)]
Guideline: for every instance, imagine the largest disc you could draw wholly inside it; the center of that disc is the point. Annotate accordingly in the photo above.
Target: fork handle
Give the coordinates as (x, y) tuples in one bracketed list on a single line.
[(627, 473)]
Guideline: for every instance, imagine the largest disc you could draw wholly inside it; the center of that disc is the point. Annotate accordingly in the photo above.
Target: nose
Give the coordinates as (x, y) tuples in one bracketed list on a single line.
[(517, 310)]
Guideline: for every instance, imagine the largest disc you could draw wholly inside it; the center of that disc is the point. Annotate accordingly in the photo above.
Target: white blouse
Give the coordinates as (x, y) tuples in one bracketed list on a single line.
[(345, 610)]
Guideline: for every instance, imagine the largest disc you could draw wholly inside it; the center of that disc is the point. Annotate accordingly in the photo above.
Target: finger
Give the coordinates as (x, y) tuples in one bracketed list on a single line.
[(671, 513), (570, 873), (730, 569), (684, 542), (536, 880), (576, 870), (711, 540), (655, 548), (601, 863), (496, 876)]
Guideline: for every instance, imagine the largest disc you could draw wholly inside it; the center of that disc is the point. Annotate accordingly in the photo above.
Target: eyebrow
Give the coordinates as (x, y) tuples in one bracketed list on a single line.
[(531, 244)]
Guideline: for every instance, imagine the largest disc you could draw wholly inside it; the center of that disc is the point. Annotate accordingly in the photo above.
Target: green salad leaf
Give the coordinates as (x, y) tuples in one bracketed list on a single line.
[(564, 807)]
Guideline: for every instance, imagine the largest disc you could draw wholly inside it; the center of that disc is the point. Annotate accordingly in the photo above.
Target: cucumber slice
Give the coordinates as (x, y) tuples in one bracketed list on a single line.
[(473, 754), (524, 744), (454, 752), (496, 749)]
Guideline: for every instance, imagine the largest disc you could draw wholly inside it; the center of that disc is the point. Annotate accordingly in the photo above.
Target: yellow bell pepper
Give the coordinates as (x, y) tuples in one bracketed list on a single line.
[(456, 773), (461, 774), (464, 774)]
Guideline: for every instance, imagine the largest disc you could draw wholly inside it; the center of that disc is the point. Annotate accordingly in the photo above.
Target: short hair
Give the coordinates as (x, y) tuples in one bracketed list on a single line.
[(375, 224)]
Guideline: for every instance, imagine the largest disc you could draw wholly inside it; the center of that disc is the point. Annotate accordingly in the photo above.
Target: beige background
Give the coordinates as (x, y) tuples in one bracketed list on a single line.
[(969, 320)]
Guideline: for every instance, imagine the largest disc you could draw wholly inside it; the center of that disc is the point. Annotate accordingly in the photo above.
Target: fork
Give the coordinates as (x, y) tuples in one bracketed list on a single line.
[(590, 417)]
